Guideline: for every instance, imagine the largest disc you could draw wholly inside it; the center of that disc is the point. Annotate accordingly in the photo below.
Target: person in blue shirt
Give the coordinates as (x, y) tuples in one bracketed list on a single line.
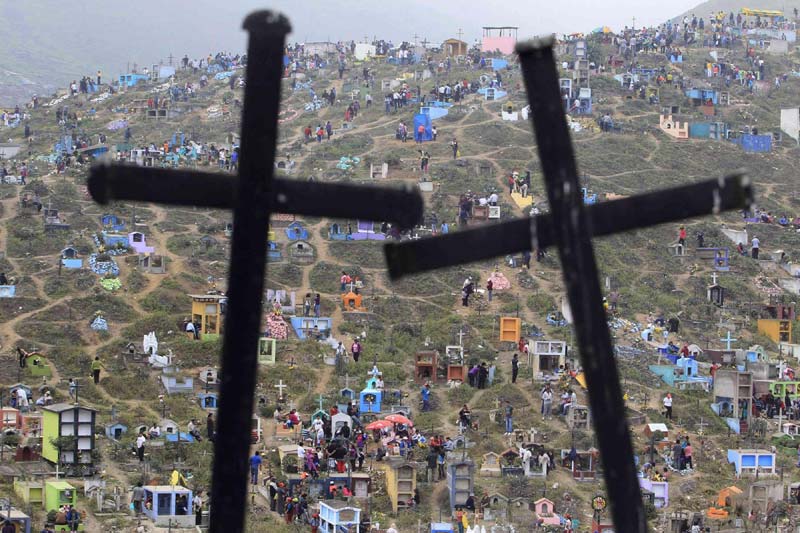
[(426, 397), (255, 465)]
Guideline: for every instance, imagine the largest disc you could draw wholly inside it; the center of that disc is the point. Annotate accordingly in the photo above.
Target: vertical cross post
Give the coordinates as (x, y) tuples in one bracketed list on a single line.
[(573, 239), (240, 345)]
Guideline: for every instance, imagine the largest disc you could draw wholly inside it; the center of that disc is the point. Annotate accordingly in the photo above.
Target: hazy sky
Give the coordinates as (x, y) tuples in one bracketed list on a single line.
[(58, 40)]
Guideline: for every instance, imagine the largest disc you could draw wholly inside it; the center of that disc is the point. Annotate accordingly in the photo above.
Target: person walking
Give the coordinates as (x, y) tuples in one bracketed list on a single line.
[(356, 350), (668, 406), (514, 368), (509, 413), (96, 366), (138, 498), (755, 245)]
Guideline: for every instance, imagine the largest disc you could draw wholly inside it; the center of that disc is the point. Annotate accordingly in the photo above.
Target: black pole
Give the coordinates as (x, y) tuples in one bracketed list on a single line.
[(573, 239), (248, 261)]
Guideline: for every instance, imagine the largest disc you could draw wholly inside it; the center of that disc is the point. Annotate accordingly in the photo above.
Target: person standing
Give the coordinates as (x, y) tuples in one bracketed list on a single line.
[(687, 453), (454, 146), (441, 461), (547, 401), (489, 288), (668, 406), (509, 414), (755, 245), (682, 236), (431, 459), (140, 440), (96, 366), (514, 368), (317, 303), (426, 397), (210, 431), (255, 466), (356, 350), (138, 498)]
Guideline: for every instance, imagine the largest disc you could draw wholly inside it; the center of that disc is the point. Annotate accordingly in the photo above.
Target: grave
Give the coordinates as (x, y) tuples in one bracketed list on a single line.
[(69, 258), (732, 398), (116, 430), (401, 482), (336, 516), (31, 424), (522, 201), (301, 252), (66, 420), (378, 172), (779, 330), (267, 350), (340, 420), (59, 493), (296, 232), (545, 511), (673, 128), (578, 417), (168, 505), (136, 242), (365, 231), (370, 399), (53, 221), (752, 462), (352, 302), (174, 383), (456, 370), (583, 465), (790, 428), (460, 479), (426, 365), (311, 327), (20, 521), (209, 378), (9, 419), (207, 401), (31, 492), (335, 232), (762, 495), (38, 366), (546, 357), (491, 465), (287, 300), (510, 329), (8, 291), (659, 489), (207, 311), (153, 263)]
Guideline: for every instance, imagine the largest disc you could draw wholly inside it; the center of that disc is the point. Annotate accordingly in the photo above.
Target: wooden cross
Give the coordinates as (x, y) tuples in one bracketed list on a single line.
[(570, 226), (728, 341), (280, 386), (252, 196)]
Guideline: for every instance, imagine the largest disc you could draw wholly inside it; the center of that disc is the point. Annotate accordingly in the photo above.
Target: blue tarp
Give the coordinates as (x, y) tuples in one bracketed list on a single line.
[(424, 120), (755, 143), (498, 64)]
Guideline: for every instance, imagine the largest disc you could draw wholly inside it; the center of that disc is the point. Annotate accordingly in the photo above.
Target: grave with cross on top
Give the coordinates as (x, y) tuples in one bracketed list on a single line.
[(570, 226), (728, 341), (252, 195)]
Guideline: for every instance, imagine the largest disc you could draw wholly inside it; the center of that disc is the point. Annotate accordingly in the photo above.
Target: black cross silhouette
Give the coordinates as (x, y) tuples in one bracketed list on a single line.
[(252, 196), (570, 226)]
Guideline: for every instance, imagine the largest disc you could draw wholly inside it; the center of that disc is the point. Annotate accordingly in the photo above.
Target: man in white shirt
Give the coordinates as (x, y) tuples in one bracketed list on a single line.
[(668, 406), (755, 243), (301, 456), (493, 198), (22, 399), (140, 440)]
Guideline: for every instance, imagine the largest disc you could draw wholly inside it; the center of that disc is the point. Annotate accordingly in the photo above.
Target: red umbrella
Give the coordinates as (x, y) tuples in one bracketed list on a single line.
[(378, 424), (398, 419)]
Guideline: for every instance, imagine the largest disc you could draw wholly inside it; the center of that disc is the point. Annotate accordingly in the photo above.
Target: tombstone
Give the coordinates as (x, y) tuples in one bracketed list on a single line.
[(207, 312), (207, 401), (426, 365), (335, 232), (491, 465), (749, 461), (295, 231), (8, 291), (267, 350), (59, 493), (38, 366), (583, 467), (338, 516), (401, 482), (460, 480), (456, 370), (69, 258), (378, 172), (301, 252), (174, 383), (547, 357), (339, 420), (545, 511), (578, 417), (510, 329), (153, 263), (171, 506), (370, 400), (353, 303), (136, 242), (116, 430), (63, 419)]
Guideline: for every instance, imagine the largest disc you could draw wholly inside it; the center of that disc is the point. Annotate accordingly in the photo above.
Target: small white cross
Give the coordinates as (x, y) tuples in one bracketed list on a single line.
[(280, 386)]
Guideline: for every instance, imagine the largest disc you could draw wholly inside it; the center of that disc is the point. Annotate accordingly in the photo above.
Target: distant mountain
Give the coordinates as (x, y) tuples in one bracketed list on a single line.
[(714, 6)]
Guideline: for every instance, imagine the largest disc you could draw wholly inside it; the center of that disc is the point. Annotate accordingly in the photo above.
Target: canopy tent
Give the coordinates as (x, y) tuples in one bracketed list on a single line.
[(602, 29), (423, 120)]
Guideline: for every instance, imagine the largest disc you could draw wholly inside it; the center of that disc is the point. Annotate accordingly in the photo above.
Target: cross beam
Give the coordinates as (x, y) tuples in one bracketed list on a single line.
[(528, 234), (218, 191), (570, 227), (252, 196)]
